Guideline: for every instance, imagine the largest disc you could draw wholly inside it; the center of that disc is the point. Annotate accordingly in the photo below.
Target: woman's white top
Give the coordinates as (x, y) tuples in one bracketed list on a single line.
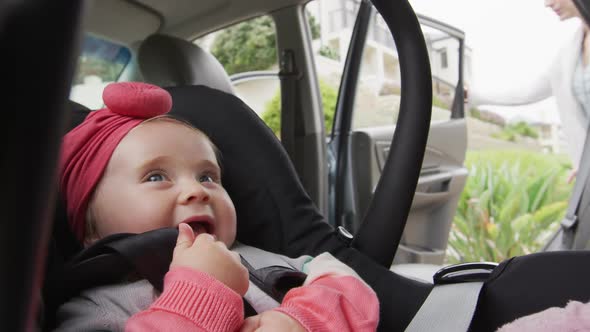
[(556, 79)]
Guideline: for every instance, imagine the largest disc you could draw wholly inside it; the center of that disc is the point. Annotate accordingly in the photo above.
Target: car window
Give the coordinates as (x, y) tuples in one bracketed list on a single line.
[(100, 63), (331, 23), (248, 52), (378, 93)]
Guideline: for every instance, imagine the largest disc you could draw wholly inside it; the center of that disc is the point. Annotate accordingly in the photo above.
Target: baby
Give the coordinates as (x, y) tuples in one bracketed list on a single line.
[(129, 168)]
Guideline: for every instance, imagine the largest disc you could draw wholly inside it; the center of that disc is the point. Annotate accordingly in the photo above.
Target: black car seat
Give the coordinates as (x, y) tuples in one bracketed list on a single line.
[(188, 64), (275, 213)]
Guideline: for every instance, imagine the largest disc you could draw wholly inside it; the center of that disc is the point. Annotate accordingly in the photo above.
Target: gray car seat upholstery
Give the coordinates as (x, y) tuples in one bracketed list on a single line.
[(185, 64)]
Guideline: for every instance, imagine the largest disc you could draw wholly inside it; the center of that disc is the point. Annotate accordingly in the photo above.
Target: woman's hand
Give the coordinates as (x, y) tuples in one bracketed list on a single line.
[(572, 176), (207, 255)]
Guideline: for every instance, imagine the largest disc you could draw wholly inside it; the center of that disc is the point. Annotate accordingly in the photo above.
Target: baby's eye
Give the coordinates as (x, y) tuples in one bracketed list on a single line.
[(156, 177), (206, 178)]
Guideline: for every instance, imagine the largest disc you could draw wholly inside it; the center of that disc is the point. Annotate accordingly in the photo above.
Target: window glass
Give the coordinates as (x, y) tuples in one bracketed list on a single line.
[(334, 21), (101, 62), (248, 52), (378, 92), (443, 58)]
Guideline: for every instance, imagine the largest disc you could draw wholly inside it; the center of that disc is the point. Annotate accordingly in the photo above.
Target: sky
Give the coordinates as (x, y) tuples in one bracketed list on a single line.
[(510, 40)]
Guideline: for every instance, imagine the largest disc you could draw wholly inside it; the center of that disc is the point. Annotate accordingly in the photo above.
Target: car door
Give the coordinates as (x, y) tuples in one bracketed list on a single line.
[(364, 123)]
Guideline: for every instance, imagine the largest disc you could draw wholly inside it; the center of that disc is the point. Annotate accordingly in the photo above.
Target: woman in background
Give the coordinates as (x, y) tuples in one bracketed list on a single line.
[(567, 78)]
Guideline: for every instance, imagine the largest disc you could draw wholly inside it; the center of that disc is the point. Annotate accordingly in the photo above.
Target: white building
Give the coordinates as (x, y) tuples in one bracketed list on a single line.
[(380, 65)]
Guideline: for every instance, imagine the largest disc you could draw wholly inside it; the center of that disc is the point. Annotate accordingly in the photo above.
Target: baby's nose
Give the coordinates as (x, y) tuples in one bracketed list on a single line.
[(194, 192)]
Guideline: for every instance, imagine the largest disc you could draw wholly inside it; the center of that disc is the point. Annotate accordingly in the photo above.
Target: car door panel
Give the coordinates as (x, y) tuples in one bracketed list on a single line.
[(441, 182)]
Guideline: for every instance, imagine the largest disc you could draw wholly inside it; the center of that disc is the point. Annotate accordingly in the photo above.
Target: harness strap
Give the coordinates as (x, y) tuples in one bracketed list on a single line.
[(448, 308), (451, 304), (149, 254)]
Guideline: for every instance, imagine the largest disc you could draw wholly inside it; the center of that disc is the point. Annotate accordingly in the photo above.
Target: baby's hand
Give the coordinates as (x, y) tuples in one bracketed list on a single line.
[(205, 254), (272, 321)]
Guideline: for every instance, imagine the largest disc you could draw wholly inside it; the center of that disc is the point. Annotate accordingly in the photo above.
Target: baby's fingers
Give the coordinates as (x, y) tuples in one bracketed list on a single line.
[(251, 324), (186, 236)]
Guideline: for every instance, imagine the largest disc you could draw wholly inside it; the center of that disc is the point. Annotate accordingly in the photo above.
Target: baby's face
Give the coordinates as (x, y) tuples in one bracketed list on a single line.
[(161, 174)]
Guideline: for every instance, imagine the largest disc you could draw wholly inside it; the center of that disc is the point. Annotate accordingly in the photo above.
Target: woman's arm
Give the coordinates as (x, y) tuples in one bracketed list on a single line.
[(513, 92)]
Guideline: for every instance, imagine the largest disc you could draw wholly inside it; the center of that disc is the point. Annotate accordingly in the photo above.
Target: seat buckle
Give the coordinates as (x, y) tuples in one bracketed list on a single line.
[(344, 235), (568, 222), (464, 272)]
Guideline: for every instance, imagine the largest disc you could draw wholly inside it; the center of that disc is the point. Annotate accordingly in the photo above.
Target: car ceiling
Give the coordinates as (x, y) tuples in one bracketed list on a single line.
[(128, 21)]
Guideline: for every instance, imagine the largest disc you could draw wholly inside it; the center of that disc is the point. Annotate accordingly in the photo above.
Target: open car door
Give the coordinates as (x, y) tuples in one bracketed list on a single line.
[(364, 124)]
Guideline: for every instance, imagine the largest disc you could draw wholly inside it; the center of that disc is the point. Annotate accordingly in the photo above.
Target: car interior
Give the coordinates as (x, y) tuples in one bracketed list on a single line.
[(398, 207)]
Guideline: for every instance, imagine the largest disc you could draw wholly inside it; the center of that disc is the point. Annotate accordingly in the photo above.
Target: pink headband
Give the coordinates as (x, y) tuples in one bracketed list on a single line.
[(87, 149)]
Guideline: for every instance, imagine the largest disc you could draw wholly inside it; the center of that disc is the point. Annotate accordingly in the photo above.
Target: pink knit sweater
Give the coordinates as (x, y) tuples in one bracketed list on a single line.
[(194, 301), (575, 317)]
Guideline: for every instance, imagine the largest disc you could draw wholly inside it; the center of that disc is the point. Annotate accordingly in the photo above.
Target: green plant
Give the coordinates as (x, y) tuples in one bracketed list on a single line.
[(524, 129), (505, 134), (512, 131), (272, 113), (512, 202), (329, 52)]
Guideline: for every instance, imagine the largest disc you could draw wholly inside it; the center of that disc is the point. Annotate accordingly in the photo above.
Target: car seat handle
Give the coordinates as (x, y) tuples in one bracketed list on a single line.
[(384, 222)]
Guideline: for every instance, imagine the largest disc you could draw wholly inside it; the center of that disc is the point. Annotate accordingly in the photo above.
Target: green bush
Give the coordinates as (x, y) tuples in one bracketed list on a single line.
[(523, 129), (329, 52), (272, 113), (512, 131), (506, 135), (512, 202)]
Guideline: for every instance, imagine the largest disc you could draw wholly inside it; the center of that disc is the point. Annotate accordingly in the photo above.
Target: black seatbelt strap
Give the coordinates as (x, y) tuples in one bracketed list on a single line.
[(148, 256), (573, 231), (288, 75)]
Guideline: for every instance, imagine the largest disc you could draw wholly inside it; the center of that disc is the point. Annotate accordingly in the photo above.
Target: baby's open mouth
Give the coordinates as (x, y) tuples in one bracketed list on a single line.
[(201, 226)]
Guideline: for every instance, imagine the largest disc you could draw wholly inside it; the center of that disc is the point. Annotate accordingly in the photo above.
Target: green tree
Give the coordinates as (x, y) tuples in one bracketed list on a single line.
[(251, 45), (313, 26), (272, 113), (247, 46)]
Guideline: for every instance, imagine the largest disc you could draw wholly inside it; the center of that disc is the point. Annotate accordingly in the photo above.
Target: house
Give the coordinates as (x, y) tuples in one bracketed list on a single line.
[(380, 66)]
